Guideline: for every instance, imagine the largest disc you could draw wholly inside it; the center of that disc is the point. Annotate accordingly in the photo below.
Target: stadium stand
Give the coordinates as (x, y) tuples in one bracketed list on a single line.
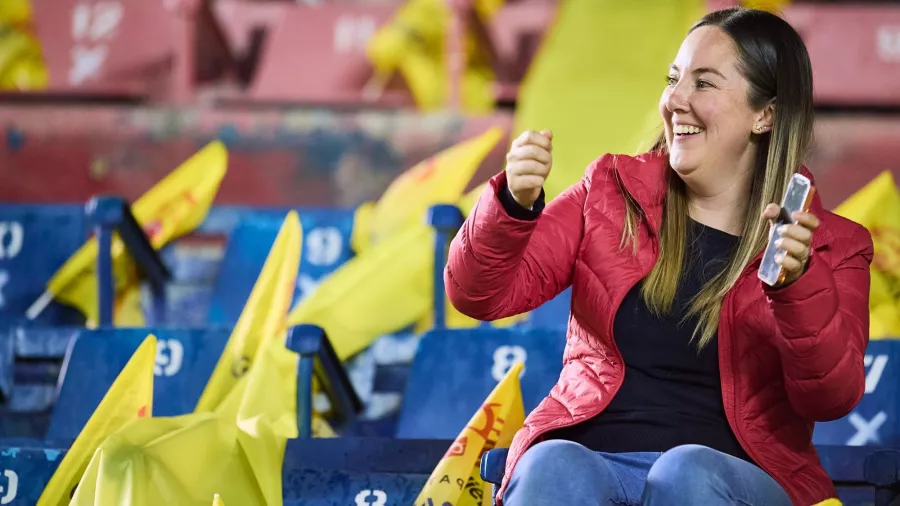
[(100, 99)]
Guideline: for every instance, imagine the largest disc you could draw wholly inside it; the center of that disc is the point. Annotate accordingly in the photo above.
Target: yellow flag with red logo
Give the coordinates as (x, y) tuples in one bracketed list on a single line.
[(456, 480), (876, 206), (440, 179), (129, 397), (264, 316), (175, 206)]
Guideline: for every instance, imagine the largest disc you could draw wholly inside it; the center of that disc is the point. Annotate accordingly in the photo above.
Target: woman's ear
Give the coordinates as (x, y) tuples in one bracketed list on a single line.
[(765, 119)]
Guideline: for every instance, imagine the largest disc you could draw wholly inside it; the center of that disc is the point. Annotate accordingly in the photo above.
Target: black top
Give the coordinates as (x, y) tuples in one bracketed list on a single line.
[(671, 394)]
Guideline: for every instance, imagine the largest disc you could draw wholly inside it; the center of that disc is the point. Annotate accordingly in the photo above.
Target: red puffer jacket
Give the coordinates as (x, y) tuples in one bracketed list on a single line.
[(787, 357)]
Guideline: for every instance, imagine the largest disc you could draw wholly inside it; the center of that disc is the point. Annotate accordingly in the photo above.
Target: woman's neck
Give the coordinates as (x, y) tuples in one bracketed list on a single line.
[(723, 207)]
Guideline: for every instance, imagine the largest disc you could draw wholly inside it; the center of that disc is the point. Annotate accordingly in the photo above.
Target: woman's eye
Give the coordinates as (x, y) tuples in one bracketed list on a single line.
[(671, 81), (704, 84)]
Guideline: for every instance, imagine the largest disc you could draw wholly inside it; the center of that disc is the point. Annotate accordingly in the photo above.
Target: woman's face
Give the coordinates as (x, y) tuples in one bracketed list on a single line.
[(708, 121)]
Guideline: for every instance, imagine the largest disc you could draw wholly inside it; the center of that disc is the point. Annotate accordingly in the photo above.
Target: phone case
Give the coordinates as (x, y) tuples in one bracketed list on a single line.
[(770, 272)]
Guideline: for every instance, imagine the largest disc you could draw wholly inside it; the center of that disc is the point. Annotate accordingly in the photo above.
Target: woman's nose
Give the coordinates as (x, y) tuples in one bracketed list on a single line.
[(677, 101)]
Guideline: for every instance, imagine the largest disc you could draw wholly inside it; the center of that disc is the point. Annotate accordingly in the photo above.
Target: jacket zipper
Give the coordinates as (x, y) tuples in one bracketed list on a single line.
[(537, 435), (731, 414)]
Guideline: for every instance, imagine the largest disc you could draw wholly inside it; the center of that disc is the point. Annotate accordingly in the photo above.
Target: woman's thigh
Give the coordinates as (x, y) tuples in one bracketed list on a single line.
[(561, 472), (694, 474)]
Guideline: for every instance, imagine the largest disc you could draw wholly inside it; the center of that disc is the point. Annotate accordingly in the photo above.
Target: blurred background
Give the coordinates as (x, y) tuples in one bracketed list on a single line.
[(151, 152)]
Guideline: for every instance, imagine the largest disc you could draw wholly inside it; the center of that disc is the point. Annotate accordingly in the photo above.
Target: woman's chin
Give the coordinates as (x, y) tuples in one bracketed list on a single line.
[(681, 166)]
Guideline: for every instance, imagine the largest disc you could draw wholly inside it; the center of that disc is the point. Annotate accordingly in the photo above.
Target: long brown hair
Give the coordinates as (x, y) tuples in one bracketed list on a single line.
[(773, 59)]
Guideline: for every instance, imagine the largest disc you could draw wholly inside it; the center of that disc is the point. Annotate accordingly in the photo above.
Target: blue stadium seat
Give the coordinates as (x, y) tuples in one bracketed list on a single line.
[(96, 358), (358, 471), (326, 246), (29, 370), (185, 359), (554, 313), (876, 420), (25, 468), (316, 472), (455, 370), (35, 240)]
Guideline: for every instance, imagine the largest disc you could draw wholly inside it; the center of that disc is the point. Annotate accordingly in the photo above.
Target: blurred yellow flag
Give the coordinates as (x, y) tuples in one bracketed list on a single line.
[(456, 481), (129, 397), (775, 6), (468, 201), (14, 12), (413, 44), (384, 289), (360, 238), (440, 179), (21, 62), (877, 207), (174, 207), (236, 451), (263, 317), (264, 404), (563, 90)]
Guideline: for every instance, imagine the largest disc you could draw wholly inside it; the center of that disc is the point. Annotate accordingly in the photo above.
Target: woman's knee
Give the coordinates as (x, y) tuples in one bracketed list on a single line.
[(548, 469), (548, 461), (688, 471)]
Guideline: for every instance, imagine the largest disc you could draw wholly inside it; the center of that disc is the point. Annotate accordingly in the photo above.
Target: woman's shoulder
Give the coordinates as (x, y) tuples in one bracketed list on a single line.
[(645, 171), (643, 162), (847, 237)]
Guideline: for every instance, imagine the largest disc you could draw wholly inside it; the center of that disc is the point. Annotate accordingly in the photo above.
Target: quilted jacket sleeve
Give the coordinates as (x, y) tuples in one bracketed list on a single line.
[(823, 319), (500, 266)]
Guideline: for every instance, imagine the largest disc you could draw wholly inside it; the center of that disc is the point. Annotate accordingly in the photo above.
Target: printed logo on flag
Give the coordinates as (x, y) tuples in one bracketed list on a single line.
[(458, 448)]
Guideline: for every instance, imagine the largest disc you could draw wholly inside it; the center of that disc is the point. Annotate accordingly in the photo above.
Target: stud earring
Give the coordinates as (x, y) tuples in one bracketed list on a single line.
[(758, 128)]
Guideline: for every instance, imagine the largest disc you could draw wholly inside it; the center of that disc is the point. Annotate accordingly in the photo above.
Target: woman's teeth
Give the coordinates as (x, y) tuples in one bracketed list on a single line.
[(686, 129)]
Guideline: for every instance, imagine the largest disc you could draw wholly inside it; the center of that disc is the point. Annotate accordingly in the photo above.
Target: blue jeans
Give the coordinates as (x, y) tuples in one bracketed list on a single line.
[(558, 472)]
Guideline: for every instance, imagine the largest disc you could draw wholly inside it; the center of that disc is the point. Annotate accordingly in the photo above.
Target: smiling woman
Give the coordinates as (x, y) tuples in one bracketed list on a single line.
[(685, 379)]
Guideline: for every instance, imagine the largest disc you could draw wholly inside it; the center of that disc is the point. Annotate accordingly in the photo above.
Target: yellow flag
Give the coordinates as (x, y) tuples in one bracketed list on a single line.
[(775, 6), (14, 12), (468, 201), (384, 289), (21, 62), (877, 207), (236, 451), (128, 398), (360, 238), (606, 103), (264, 405), (455, 480), (413, 44), (440, 179), (174, 207), (263, 317)]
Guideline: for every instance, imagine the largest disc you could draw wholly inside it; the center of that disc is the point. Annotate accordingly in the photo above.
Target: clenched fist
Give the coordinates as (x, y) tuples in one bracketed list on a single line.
[(528, 165)]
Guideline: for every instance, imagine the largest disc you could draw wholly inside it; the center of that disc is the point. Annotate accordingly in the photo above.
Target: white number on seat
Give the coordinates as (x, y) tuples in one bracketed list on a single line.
[(504, 358)]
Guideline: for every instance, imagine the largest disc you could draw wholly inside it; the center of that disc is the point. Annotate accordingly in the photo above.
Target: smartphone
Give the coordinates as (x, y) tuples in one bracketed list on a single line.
[(798, 196)]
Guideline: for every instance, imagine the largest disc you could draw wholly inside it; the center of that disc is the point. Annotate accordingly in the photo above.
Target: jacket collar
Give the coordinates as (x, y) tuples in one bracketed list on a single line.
[(644, 177)]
